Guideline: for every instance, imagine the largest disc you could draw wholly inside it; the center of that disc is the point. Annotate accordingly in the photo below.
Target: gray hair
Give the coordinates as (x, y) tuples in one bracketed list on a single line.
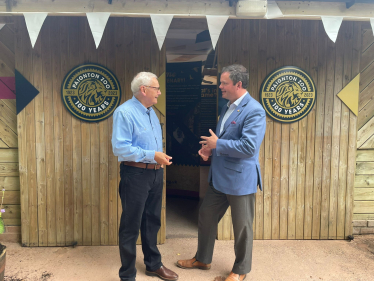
[(141, 79), (237, 73)]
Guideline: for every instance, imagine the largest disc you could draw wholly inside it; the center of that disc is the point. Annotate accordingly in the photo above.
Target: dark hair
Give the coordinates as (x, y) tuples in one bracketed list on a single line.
[(237, 73)]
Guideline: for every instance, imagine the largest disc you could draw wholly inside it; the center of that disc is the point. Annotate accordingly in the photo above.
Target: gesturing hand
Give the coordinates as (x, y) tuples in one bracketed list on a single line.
[(205, 152), (211, 142), (162, 158)]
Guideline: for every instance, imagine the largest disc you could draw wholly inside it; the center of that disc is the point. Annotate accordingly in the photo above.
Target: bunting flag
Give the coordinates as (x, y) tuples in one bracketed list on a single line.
[(332, 26), (161, 24), (161, 100), (1, 25), (372, 24), (273, 11), (215, 26), (26, 92), (34, 22), (97, 22), (349, 94)]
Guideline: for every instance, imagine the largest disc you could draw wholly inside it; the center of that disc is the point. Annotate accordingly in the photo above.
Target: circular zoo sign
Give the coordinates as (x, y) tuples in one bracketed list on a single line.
[(288, 94), (91, 92)]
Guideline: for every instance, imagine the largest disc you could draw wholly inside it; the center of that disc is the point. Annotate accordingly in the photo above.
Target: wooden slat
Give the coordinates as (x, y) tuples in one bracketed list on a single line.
[(311, 134), (15, 222), (363, 216), (7, 56), (40, 142), (60, 39), (8, 116), (11, 212), (8, 155), (3, 144), (369, 144), (95, 183), (363, 207), (366, 113), (7, 37), (268, 139), (326, 162), (367, 39), (8, 136), (364, 193), (364, 181), (9, 183), (11, 197), (11, 103), (260, 29), (366, 77), (365, 133), (365, 168), (5, 70), (319, 136), (21, 130), (367, 58), (365, 156), (9, 169)]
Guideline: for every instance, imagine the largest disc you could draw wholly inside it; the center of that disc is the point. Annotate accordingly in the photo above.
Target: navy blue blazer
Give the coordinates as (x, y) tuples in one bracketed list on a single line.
[(235, 168)]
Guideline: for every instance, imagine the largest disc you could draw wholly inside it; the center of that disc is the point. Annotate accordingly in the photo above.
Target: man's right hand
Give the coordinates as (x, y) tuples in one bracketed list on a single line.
[(162, 158), (205, 152)]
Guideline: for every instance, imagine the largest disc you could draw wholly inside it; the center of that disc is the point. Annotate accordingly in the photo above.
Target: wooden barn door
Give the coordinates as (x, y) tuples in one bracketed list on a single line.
[(68, 173), (308, 166)]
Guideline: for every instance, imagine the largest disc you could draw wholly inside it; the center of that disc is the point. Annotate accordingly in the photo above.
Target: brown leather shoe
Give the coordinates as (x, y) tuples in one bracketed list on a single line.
[(235, 277), (192, 263), (163, 273)]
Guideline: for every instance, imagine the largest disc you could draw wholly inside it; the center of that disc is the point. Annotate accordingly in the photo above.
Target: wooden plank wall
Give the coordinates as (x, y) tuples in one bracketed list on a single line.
[(9, 175), (364, 183), (69, 176), (307, 166)]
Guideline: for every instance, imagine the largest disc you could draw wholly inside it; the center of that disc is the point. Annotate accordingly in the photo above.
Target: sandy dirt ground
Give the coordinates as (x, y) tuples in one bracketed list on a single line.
[(272, 260)]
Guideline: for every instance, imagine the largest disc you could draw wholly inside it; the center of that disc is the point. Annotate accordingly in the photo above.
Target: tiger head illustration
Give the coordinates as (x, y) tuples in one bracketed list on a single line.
[(288, 94), (91, 92)]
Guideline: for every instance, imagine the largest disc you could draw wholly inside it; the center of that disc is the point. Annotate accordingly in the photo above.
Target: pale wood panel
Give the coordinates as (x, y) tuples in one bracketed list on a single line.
[(366, 132), (365, 156), (7, 37), (366, 113), (369, 144), (81, 202), (364, 181), (9, 169), (363, 207), (367, 38), (365, 168), (12, 197), (367, 58), (363, 216), (8, 116), (8, 136), (365, 96), (364, 194), (9, 183), (8, 155), (366, 77)]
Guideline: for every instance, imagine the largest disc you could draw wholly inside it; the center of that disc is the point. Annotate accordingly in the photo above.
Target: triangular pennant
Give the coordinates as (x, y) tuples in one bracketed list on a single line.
[(26, 92), (34, 22), (349, 94), (1, 25), (161, 24), (97, 22), (332, 26), (215, 26), (372, 24), (273, 11), (161, 100), (7, 88)]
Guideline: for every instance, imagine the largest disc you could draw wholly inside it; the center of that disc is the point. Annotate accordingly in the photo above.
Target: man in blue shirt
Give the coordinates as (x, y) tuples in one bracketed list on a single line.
[(137, 141), (234, 173)]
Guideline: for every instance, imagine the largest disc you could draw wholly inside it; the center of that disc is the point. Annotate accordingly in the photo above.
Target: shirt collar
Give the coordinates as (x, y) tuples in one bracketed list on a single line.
[(141, 107), (238, 101)]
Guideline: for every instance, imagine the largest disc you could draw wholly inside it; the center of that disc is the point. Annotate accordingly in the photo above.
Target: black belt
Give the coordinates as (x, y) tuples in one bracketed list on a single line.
[(143, 165)]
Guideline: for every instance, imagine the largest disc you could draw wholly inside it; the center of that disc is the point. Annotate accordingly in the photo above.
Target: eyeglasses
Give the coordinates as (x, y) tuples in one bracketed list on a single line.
[(157, 88)]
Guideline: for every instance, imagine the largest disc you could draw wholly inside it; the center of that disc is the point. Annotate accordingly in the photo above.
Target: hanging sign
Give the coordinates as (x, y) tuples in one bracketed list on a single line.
[(91, 92), (288, 94)]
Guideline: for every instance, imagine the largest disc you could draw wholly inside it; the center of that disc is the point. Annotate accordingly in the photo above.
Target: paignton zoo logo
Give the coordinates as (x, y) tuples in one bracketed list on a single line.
[(288, 94), (91, 92)]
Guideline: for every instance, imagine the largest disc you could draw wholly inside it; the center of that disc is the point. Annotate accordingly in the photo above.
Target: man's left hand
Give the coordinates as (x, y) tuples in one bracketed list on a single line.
[(210, 142)]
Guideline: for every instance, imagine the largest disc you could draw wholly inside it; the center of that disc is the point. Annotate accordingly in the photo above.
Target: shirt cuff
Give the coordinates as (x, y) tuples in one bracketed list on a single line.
[(149, 155)]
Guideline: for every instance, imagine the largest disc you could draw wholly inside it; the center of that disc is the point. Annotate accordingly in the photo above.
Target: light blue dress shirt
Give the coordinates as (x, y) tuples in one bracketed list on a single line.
[(137, 132), (231, 108)]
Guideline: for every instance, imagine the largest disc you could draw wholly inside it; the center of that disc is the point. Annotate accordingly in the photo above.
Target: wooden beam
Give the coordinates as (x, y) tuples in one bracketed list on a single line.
[(197, 9)]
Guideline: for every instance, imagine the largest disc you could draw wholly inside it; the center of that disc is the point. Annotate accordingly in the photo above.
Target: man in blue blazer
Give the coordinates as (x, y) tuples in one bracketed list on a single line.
[(234, 173)]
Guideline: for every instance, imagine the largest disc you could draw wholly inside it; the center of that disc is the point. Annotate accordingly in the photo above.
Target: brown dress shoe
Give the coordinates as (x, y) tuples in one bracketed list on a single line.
[(235, 277), (163, 273), (192, 263)]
